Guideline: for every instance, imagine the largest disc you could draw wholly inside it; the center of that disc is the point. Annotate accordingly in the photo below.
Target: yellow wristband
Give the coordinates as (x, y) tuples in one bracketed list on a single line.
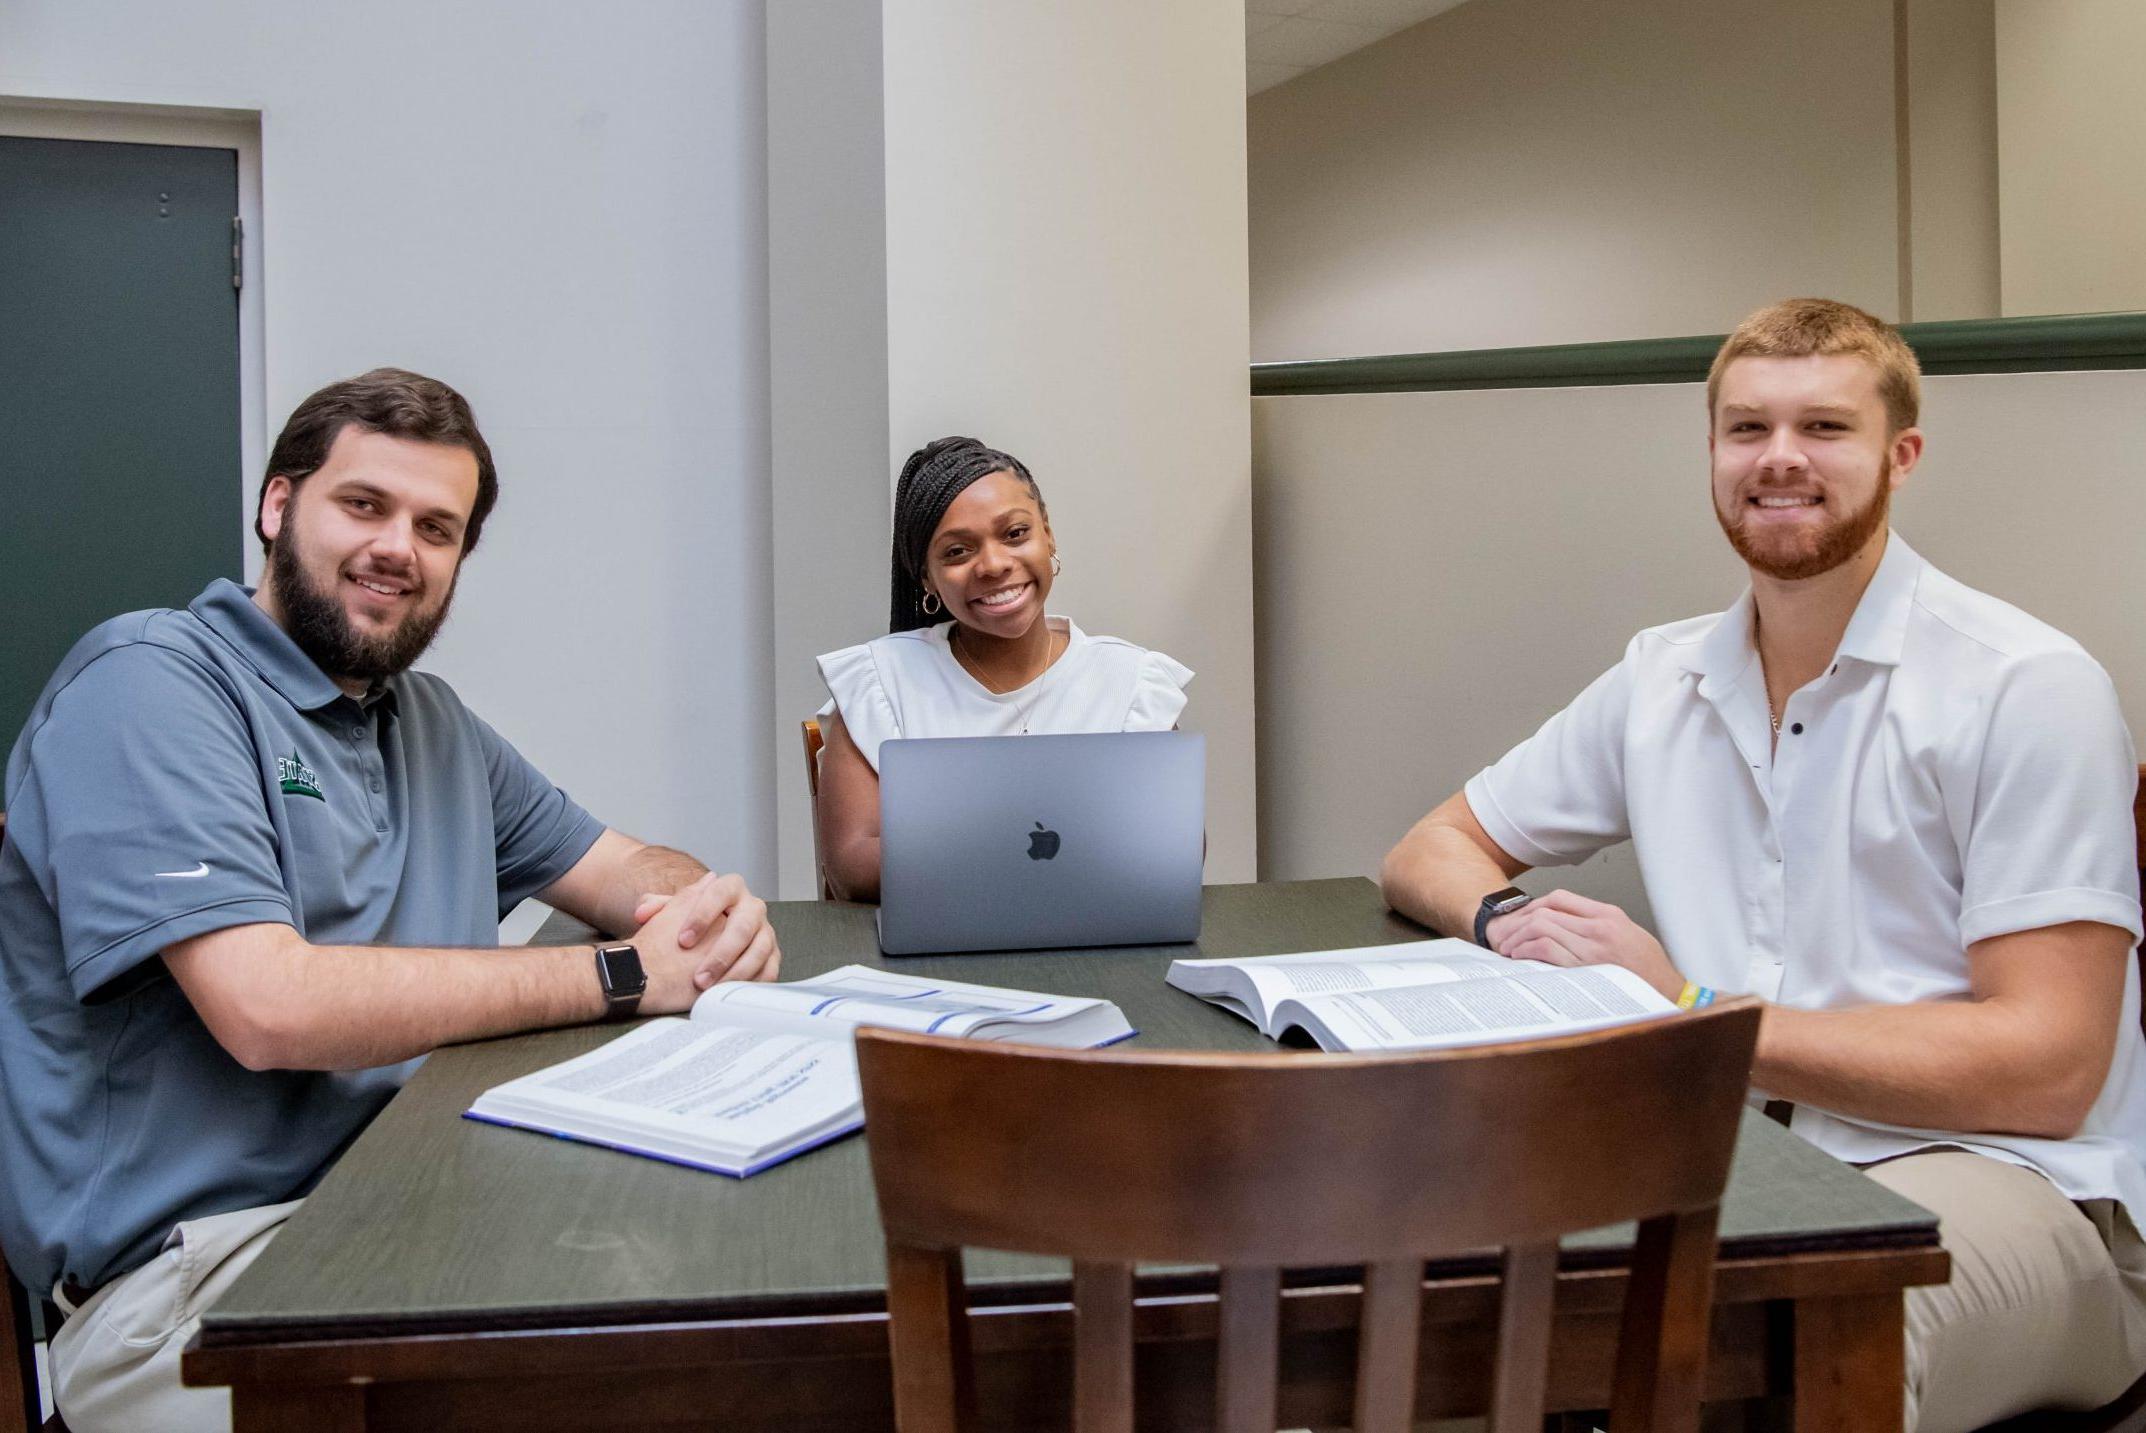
[(1695, 996)]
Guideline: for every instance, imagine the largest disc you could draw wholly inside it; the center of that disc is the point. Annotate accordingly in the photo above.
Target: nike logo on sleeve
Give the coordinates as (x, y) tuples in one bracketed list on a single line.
[(197, 872)]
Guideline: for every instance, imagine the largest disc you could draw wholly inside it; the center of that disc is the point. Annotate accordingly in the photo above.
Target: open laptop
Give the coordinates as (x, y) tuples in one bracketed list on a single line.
[(1020, 842)]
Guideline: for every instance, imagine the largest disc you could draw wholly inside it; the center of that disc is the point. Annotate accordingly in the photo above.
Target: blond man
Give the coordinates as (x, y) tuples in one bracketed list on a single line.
[(1898, 811)]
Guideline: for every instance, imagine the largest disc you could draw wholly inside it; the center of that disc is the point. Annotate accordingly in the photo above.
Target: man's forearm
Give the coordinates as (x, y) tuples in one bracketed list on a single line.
[(314, 1007), (660, 870), (1439, 876), (606, 885), (1970, 1066)]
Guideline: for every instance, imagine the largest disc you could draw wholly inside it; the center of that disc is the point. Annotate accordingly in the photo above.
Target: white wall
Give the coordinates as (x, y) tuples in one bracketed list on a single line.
[(1560, 171), (1516, 540), (2072, 136), (1062, 255), (559, 210)]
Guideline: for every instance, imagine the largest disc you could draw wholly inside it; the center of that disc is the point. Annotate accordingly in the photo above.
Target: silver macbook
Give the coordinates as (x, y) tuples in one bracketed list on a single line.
[(1019, 842)]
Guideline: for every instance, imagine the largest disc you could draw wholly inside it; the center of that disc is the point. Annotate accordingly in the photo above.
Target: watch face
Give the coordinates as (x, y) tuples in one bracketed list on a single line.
[(1507, 900), (621, 969)]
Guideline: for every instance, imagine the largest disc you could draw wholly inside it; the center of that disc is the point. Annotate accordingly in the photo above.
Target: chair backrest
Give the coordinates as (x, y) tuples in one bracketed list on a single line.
[(1259, 1163), (20, 1410), (813, 746), (2138, 821), (2138, 814)]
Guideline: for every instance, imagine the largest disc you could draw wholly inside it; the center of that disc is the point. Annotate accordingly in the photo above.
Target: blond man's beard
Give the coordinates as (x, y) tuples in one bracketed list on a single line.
[(1820, 552)]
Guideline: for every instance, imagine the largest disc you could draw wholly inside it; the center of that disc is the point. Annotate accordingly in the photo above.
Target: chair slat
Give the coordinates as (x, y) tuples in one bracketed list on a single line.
[(1102, 1347), (1386, 1346), (929, 1330), (1661, 1348), (1524, 1315), (1245, 1358)]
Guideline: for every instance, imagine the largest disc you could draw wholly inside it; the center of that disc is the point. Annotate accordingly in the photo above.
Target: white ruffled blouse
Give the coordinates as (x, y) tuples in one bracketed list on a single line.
[(909, 684)]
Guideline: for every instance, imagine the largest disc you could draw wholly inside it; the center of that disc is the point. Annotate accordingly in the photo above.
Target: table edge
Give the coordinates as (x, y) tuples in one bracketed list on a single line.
[(1912, 1242)]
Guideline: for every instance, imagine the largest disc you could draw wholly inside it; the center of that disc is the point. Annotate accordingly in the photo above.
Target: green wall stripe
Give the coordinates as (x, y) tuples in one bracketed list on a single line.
[(1999, 345)]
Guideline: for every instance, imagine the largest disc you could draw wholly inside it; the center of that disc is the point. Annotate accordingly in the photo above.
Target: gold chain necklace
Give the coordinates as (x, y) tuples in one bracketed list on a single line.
[(1771, 715), (1050, 640)]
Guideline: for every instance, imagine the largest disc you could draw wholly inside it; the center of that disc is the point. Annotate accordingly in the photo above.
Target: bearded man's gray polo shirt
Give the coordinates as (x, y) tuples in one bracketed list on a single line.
[(184, 772)]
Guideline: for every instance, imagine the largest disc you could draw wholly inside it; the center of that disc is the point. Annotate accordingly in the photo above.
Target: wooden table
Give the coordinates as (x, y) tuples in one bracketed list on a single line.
[(449, 1274)]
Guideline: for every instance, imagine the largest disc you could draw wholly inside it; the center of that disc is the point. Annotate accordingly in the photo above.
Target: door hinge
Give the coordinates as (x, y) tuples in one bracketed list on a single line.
[(238, 253)]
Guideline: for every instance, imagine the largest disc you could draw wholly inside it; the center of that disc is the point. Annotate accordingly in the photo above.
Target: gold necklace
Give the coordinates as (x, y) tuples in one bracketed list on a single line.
[(1050, 640), (1771, 715)]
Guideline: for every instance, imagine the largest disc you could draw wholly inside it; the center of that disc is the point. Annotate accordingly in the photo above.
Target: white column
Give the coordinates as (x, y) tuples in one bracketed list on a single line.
[(827, 372), (1065, 278)]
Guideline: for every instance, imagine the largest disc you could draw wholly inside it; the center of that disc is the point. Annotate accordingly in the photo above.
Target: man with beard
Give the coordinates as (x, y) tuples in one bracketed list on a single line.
[(254, 870), (1898, 811)]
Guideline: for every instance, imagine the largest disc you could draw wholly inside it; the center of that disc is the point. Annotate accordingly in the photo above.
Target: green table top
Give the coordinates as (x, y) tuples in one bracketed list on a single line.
[(431, 1222)]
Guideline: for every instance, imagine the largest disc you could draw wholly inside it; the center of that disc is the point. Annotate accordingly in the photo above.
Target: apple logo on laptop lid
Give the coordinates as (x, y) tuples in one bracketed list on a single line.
[(1042, 843)]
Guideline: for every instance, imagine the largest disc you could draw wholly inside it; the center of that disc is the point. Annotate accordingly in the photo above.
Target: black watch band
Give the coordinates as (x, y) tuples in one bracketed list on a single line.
[(1497, 903), (618, 971)]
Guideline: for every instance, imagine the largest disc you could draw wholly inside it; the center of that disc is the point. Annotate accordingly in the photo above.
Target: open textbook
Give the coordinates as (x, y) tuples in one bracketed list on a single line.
[(1418, 995), (758, 1073)]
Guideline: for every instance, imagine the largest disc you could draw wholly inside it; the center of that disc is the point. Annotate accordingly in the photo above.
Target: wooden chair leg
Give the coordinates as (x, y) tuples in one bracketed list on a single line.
[(928, 1330)]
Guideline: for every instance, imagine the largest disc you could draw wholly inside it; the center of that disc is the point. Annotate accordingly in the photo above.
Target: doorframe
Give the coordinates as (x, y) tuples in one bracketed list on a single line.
[(52, 117)]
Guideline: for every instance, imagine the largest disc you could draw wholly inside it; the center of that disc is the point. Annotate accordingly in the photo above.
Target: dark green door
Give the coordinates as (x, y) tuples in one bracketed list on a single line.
[(119, 423)]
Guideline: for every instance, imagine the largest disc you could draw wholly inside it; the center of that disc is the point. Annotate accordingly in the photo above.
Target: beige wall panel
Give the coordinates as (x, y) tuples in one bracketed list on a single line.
[(1066, 280), (2072, 154), (1951, 160), (1555, 171), (1439, 572)]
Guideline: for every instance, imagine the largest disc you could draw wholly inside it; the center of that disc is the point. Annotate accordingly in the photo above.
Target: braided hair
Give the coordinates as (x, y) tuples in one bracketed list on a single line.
[(932, 478)]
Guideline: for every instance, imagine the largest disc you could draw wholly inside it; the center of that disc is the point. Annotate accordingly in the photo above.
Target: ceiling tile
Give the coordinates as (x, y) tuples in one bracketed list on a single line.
[(1385, 16), (1298, 41), (1296, 35), (1259, 77)]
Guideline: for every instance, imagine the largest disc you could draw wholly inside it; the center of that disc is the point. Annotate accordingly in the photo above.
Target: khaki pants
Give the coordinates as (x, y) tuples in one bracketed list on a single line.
[(2047, 1303), (115, 1361)]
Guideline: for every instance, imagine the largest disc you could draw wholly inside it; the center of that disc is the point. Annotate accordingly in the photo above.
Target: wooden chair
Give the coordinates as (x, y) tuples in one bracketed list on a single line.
[(813, 746), (2126, 1413), (20, 1409), (1259, 1163)]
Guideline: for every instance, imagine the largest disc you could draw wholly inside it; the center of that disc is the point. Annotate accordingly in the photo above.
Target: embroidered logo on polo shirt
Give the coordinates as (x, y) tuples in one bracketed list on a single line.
[(298, 779)]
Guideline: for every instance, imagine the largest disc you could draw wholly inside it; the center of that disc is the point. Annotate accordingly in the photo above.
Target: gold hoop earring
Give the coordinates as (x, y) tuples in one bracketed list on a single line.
[(931, 604)]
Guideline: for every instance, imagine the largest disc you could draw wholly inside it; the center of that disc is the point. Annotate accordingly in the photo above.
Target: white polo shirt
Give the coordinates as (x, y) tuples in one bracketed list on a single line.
[(1960, 771)]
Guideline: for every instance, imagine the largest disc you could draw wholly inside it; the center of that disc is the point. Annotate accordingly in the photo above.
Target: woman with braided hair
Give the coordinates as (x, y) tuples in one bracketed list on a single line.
[(969, 649)]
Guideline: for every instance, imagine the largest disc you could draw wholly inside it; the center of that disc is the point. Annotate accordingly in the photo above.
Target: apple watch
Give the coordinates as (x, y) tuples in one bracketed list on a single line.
[(1497, 903), (618, 970)]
